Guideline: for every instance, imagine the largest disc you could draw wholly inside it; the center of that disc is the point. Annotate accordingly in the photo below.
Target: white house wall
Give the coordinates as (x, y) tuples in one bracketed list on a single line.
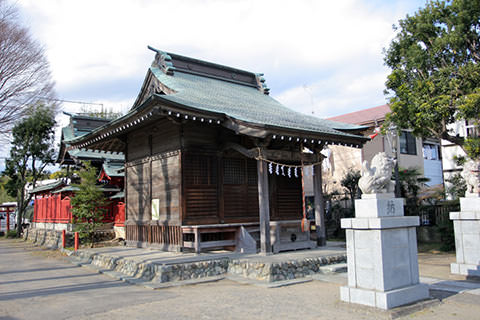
[(433, 171), (450, 151)]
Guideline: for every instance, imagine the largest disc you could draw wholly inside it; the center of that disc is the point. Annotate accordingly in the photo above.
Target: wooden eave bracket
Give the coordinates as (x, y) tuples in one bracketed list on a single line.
[(274, 155), (240, 128)]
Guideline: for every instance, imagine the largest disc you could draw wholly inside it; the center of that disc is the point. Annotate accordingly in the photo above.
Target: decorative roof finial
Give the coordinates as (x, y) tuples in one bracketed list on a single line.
[(262, 86), (164, 61)]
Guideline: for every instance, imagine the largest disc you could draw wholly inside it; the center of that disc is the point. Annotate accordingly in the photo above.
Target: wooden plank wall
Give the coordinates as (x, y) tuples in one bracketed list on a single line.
[(200, 189), (219, 190), (156, 234), (200, 173), (154, 139), (219, 187), (285, 198), (138, 191), (166, 184), (240, 187), (153, 171)]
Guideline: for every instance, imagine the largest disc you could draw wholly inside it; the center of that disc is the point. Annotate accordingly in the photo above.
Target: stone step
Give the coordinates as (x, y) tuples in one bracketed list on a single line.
[(334, 268), (272, 271), (253, 229)]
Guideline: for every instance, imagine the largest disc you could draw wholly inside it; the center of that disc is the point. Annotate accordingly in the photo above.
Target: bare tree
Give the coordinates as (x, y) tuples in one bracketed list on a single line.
[(24, 71)]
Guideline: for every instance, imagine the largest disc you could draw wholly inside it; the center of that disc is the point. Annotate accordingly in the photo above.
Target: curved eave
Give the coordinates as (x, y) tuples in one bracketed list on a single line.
[(270, 129), (158, 105), (103, 129)]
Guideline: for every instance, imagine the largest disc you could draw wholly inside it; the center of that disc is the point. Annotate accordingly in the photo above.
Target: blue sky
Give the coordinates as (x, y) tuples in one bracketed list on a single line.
[(318, 57)]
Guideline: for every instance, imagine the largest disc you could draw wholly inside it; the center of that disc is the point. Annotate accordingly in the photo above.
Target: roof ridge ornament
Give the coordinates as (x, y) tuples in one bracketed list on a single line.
[(261, 85), (164, 61)]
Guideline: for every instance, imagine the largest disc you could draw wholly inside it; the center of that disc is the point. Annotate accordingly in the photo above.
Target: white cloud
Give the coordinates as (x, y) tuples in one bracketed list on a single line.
[(337, 94), (70, 107), (321, 56), (332, 47)]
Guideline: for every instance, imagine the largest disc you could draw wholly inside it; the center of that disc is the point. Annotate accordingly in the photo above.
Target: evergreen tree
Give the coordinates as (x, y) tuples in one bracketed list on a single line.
[(4, 196), (88, 204), (350, 183), (435, 78), (32, 151), (411, 182)]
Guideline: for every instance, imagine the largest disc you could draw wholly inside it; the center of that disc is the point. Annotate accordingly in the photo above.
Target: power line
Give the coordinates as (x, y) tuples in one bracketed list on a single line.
[(71, 101)]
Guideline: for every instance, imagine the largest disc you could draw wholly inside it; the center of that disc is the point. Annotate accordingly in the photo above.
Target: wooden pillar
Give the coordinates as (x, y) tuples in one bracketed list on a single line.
[(264, 207), (319, 207), (8, 219)]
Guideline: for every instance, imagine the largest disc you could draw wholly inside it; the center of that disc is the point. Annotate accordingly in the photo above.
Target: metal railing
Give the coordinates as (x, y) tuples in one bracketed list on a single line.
[(432, 215)]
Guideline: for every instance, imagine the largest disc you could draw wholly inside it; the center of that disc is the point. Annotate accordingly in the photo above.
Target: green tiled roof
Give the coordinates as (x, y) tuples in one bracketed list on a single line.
[(67, 133), (118, 195), (66, 188), (241, 102), (95, 154), (113, 169), (47, 187), (110, 189), (74, 131), (73, 188)]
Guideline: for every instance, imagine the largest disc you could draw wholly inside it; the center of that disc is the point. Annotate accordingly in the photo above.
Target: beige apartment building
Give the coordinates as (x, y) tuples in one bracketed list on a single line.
[(412, 152)]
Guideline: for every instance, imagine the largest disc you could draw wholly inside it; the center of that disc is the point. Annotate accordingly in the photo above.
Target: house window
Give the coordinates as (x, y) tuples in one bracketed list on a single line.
[(407, 143), (430, 152), (472, 128)]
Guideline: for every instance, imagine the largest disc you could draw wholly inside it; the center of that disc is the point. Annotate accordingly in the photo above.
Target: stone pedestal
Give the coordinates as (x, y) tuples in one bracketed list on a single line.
[(382, 254), (466, 224)]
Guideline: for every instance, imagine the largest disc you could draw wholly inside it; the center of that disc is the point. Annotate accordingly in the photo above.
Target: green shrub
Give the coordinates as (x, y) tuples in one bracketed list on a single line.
[(447, 236), (472, 147), (88, 205), (11, 234)]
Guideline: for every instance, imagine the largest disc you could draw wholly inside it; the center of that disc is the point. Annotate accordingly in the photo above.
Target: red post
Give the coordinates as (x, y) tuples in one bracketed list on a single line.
[(8, 219), (64, 244), (76, 241)]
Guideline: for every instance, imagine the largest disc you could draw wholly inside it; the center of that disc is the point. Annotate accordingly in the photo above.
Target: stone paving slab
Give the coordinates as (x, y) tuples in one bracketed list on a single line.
[(264, 284), (475, 292), (338, 278), (151, 285), (452, 286), (334, 268)]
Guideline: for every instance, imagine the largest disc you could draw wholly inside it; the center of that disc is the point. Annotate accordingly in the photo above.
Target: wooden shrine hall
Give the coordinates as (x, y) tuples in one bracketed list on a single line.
[(212, 161)]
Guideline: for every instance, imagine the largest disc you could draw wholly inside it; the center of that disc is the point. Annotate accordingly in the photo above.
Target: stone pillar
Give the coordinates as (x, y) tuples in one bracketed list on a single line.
[(382, 254), (466, 225)]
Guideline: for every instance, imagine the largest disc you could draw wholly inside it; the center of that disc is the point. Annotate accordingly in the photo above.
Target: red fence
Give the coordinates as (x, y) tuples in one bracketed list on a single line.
[(119, 214), (53, 209)]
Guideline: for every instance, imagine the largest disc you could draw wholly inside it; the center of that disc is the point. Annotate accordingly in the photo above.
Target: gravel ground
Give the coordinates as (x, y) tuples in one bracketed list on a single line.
[(41, 284)]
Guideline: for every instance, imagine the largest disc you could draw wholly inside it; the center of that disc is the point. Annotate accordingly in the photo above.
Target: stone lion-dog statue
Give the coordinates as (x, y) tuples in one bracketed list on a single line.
[(376, 178), (471, 174)]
